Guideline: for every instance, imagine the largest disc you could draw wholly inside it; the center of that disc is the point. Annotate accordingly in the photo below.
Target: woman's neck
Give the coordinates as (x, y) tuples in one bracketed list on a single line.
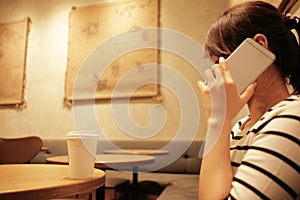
[(270, 90)]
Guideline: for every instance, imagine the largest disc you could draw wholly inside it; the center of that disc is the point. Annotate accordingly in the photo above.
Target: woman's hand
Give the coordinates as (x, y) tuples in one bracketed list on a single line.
[(221, 103)]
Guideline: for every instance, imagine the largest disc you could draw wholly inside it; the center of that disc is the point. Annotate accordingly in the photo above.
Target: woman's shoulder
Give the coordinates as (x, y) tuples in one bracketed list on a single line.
[(282, 118), (288, 108), (290, 104)]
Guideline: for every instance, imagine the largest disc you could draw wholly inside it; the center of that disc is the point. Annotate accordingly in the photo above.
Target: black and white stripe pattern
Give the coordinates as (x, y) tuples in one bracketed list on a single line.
[(266, 158)]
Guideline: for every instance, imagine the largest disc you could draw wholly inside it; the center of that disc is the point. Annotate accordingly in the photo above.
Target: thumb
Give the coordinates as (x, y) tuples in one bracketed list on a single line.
[(247, 94), (201, 85)]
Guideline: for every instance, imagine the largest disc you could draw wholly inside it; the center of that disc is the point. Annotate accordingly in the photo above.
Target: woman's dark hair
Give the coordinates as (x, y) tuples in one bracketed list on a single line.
[(248, 19)]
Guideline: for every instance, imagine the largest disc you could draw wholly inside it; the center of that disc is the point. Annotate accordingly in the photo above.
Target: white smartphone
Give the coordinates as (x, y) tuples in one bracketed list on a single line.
[(247, 62)]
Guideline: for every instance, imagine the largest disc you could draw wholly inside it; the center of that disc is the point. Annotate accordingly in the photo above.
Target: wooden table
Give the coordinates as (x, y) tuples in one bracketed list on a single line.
[(117, 161), (106, 161), (152, 152), (42, 181)]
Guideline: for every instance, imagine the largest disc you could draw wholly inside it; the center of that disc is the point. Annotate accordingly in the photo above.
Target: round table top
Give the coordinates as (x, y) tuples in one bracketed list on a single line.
[(110, 160), (39, 181), (137, 151)]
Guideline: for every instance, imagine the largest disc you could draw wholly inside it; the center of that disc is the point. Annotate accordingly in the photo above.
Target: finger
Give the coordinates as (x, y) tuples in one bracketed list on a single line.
[(202, 85), (209, 76), (218, 73), (248, 92), (204, 91), (225, 68), (223, 64)]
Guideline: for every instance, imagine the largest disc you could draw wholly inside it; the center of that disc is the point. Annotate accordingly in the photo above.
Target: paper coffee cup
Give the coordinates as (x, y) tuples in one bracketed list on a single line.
[(82, 146)]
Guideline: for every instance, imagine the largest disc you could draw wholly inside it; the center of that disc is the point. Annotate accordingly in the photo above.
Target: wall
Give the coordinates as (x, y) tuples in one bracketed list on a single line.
[(45, 114), (273, 2)]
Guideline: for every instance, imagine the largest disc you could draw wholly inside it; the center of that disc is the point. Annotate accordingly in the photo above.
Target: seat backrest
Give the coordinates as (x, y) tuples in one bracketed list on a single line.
[(19, 150)]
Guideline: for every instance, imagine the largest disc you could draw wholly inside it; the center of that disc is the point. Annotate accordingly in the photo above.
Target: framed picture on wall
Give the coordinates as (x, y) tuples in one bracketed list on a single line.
[(103, 24), (13, 49)]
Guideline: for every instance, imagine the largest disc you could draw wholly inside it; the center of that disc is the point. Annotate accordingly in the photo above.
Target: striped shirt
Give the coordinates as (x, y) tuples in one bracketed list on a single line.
[(265, 159)]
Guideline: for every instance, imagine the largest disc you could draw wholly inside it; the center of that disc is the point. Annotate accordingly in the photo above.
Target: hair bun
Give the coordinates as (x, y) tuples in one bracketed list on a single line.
[(292, 23)]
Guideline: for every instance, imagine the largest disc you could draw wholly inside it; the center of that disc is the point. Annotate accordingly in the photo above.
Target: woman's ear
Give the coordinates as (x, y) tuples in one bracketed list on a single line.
[(261, 39)]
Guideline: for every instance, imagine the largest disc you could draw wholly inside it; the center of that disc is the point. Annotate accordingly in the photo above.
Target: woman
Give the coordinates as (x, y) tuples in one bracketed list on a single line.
[(261, 159)]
